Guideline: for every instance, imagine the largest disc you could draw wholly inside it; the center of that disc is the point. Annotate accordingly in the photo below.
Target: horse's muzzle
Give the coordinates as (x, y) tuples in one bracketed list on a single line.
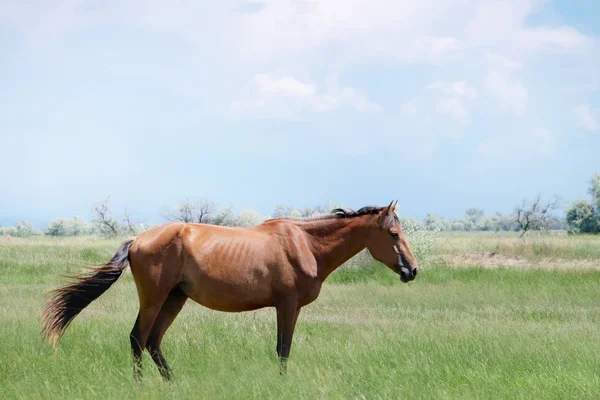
[(407, 274)]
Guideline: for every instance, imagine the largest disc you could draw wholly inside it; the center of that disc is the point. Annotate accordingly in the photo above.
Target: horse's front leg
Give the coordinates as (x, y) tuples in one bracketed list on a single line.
[(287, 315)]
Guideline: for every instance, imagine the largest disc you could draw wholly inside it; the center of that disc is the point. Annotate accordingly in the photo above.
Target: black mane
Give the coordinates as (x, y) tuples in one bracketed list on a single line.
[(349, 213)]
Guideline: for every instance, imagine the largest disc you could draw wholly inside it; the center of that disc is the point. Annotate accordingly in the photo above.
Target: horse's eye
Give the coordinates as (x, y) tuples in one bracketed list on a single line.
[(395, 235)]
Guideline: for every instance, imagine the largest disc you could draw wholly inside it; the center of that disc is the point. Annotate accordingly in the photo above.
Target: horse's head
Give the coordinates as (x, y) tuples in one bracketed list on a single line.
[(388, 245)]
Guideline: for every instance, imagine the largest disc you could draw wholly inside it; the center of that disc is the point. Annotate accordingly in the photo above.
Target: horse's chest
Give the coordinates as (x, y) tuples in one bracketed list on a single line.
[(310, 293)]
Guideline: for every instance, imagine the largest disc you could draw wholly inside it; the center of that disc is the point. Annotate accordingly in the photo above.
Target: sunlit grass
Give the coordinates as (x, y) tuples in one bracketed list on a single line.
[(451, 333), (554, 249)]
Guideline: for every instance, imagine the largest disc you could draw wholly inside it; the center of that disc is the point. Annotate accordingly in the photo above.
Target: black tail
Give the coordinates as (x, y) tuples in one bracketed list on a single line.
[(68, 301)]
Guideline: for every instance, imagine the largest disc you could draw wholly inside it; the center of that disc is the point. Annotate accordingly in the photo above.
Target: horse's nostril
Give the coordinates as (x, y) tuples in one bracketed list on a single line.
[(415, 271)]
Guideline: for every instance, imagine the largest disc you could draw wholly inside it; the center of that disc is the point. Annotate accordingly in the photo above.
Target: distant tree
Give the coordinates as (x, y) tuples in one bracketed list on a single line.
[(68, 227), (24, 228), (535, 215), (410, 224), (129, 224), (187, 211), (499, 222), (583, 217), (105, 223), (307, 212), (434, 222), (474, 216), (248, 218), (595, 190), (224, 217), (285, 211)]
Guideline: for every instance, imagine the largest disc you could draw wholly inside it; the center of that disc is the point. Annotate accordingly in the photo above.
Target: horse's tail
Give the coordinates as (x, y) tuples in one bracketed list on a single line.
[(67, 302)]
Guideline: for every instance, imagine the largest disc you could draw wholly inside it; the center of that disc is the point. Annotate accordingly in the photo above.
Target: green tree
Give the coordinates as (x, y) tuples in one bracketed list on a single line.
[(475, 216), (284, 211), (24, 228), (595, 190), (583, 217), (434, 222)]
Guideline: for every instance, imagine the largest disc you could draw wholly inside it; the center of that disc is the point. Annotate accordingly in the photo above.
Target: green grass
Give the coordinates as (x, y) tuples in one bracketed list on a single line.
[(473, 332), (533, 245)]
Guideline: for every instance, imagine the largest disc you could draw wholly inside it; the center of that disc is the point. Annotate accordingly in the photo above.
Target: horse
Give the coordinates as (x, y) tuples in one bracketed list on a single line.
[(281, 263)]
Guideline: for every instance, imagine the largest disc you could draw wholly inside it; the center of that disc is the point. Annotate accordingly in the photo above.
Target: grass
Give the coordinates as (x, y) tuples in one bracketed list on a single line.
[(554, 250), (468, 332)]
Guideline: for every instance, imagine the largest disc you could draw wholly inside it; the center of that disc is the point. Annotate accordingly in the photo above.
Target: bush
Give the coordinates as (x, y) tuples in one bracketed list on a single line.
[(583, 217), (248, 218), (22, 228), (421, 241), (69, 227)]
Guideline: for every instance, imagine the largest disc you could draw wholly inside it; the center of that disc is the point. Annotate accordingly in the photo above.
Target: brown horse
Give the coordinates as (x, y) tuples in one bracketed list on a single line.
[(280, 263)]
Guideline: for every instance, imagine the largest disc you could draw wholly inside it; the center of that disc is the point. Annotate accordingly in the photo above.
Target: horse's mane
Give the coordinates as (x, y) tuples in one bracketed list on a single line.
[(350, 213), (338, 213)]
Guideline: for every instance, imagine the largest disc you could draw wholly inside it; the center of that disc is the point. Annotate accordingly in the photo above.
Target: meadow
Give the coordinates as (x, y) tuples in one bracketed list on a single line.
[(490, 316)]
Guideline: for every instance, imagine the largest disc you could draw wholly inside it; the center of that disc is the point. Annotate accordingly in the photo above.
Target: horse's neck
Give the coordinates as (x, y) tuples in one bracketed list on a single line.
[(335, 241)]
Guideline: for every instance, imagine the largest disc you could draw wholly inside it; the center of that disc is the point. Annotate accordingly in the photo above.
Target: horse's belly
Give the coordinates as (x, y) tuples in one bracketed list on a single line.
[(234, 290)]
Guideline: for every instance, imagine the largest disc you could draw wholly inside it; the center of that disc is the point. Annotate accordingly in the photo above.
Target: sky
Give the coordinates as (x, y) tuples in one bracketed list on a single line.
[(440, 104)]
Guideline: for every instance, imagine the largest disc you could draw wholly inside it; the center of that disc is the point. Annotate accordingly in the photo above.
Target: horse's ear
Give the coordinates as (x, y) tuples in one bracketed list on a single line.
[(387, 213), (389, 210)]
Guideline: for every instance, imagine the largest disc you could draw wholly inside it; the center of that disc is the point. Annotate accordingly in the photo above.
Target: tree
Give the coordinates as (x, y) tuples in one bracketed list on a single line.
[(106, 224), (24, 228), (187, 211), (595, 190), (499, 222), (534, 215), (129, 223), (223, 217), (248, 218), (435, 222), (475, 216), (583, 217), (285, 211), (68, 227)]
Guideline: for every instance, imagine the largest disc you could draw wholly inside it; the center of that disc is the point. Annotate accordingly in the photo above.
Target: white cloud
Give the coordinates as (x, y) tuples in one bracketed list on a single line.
[(459, 88), (586, 119), (284, 97), (403, 30), (275, 30), (509, 95), (284, 86), (454, 96), (489, 41), (498, 61), (455, 108)]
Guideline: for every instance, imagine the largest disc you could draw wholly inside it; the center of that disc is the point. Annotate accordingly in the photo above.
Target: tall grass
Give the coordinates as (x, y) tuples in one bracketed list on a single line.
[(451, 333), (535, 244)]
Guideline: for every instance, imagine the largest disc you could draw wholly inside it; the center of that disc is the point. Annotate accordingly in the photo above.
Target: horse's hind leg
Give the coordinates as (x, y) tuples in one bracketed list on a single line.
[(141, 330), (165, 318), (136, 349), (139, 336)]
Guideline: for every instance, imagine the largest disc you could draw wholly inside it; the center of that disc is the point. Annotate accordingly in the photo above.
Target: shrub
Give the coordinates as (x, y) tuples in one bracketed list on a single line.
[(583, 217), (22, 228), (68, 227)]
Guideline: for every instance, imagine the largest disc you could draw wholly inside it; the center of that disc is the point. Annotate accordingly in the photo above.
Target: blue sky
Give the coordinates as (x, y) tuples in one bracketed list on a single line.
[(441, 104)]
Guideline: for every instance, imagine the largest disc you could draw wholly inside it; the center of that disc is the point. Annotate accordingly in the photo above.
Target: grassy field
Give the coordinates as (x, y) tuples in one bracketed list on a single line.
[(491, 316)]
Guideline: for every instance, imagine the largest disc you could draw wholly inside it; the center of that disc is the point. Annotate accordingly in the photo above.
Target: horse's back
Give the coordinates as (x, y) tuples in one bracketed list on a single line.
[(225, 268)]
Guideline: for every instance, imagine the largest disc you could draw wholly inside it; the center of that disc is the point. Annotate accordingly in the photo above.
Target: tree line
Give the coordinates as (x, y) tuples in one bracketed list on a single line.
[(583, 216)]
